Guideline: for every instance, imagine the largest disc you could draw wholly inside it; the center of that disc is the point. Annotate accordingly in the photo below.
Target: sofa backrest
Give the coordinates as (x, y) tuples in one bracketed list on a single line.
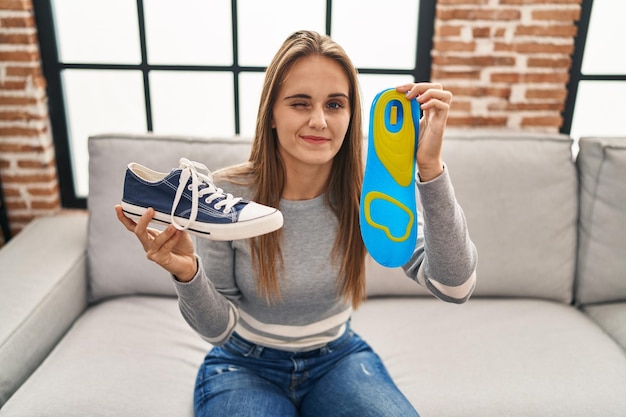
[(518, 191), (601, 272), (519, 194), (117, 263)]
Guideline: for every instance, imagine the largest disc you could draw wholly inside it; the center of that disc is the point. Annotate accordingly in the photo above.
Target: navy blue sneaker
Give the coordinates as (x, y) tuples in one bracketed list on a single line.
[(187, 198)]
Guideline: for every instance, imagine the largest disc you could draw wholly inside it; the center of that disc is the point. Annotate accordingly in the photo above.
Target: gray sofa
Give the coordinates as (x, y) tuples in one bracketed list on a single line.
[(89, 327)]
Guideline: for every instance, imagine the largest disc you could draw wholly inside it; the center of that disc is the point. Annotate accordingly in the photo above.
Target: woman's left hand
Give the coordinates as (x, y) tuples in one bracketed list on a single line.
[(435, 104)]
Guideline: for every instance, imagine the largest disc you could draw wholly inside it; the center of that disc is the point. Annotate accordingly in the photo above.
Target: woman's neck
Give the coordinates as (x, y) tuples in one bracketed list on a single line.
[(305, 182)]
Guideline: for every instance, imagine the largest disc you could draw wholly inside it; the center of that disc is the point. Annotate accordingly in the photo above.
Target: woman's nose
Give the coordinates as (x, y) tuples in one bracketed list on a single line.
[(318, 119)]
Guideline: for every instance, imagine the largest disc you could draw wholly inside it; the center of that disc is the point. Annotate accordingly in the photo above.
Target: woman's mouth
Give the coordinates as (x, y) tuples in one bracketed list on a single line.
[(316, 140)]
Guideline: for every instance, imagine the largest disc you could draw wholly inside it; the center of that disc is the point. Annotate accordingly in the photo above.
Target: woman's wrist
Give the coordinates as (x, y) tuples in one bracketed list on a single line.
[(188, 276), (428, 173)]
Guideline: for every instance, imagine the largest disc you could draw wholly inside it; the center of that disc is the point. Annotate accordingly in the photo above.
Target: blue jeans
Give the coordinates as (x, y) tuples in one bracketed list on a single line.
[(343, 378)]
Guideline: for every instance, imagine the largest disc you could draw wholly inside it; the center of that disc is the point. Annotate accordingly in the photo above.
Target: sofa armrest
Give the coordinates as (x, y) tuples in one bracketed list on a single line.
[(42, 291)]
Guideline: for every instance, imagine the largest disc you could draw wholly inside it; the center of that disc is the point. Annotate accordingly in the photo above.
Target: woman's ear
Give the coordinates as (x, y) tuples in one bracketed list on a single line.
[(272, 123)]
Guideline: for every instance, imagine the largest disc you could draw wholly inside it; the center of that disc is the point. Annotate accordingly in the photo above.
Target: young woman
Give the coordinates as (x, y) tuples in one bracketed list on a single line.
[(277, 307)]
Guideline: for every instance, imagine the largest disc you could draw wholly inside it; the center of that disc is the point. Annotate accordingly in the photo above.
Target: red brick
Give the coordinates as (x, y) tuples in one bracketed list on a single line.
[(478, 14), (16, 5), (566, 31), (28, 178), (461, 2), (13, 85), (521, 2), (542, 121), (556, 106), (447, 46), (461, 105), (479, 91), (15, 147), (448, 30), (20, 131), (18, 101), (30, 163), (25, 71), (563, 63), (474, 61), (46, 205), (534, 48), (560, 15), (19, 115), (547, 93), (17, 22), (514, 78), (481, 32), (19, 56), (44, 192), (453, 74), (17, 38), (477, 121)]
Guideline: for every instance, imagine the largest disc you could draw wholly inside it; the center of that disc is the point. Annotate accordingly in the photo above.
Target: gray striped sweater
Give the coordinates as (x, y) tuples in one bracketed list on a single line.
[(222, 297)]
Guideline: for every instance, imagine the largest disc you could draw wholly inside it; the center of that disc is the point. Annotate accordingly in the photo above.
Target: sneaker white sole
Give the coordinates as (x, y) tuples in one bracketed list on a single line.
[(214, 231)]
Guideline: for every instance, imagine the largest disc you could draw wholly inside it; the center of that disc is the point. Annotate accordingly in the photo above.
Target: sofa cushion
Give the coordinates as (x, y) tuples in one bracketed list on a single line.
[(497, 357), (42, 276), (519, 194), (601, 271), (612, 318), (131, 356), (518, 191), (117, 262), (493, 358)]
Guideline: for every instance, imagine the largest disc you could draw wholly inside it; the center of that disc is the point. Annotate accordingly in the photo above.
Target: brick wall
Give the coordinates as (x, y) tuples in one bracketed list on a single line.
[(506, 61), (27, 164)]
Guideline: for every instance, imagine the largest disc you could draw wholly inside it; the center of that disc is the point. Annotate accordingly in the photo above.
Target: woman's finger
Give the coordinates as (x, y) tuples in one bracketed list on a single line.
[(415, 90), (128, 223)]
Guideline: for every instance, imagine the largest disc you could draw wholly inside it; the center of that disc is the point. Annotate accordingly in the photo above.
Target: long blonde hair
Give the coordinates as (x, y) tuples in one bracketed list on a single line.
[(266, 171)]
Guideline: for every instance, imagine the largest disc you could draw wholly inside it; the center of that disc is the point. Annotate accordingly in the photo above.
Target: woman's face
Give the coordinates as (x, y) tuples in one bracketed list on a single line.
[(311, 113)]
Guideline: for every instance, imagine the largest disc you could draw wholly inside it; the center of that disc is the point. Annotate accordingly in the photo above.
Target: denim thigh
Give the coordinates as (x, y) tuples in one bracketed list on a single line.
[(343, 378), (359, 385), (226, 388)]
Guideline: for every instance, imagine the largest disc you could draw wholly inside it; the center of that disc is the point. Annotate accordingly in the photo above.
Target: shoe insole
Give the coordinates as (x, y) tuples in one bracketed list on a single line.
[(388, 214)]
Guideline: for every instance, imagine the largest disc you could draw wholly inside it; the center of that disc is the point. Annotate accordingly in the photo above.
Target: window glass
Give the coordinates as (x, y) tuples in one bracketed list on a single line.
[(103, 31), (264, 25), (198, 33), (192, 103), (250, 86), (599, 109), (377, 34), (372, 84), (606, 31), (100, 101)]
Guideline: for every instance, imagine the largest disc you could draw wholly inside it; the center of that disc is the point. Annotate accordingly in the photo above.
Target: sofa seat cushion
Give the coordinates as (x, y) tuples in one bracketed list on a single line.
[(612, 318), (507, 357), (137, 356), (131, 356), (602, 243)]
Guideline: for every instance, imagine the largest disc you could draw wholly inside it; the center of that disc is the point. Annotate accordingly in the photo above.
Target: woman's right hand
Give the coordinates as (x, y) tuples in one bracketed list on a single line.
[(172, 249)]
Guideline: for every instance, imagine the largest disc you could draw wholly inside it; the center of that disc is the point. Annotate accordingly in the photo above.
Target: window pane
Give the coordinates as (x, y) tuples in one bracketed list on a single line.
[(104, 31), (192, 103), (606, 119), (250, 86), (606, 32), (258, 44), (197, 34), (372, 33), (373, 84), (99, 101)]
